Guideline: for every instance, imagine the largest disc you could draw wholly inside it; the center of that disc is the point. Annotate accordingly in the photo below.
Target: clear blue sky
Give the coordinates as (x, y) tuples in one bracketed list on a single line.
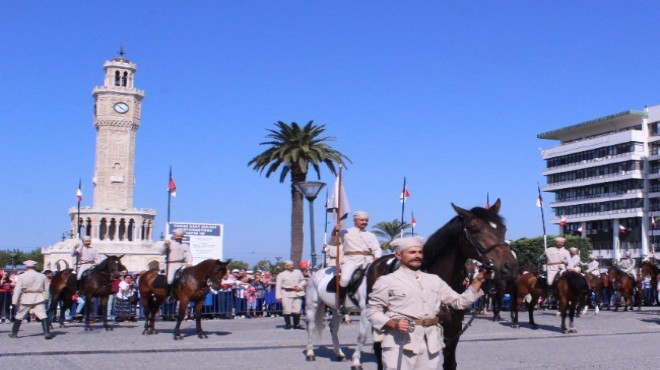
[(449, 94)]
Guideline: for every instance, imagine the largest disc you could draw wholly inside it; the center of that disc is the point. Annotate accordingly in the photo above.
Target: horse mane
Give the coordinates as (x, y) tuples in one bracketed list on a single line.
[(440, 241)]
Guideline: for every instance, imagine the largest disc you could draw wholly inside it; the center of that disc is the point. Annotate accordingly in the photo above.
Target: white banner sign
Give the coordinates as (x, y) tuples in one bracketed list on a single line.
[(205, 240)]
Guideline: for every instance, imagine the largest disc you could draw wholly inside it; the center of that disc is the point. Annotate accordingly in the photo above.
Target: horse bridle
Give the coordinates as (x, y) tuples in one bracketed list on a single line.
[(481, 251)]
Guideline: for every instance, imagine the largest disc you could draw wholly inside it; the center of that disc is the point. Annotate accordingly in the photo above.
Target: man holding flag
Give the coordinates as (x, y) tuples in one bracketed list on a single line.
[(360, 248)]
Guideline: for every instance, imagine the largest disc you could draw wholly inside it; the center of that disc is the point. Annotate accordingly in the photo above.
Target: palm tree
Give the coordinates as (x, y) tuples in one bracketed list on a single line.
[(295, 149), (388, 231)]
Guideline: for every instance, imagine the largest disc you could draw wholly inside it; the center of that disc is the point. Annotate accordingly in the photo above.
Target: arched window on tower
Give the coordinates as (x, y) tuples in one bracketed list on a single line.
[(112, 230), (103, 229), (131, 229), (124, 79), (117, 78), (122, 229), (88, 227)]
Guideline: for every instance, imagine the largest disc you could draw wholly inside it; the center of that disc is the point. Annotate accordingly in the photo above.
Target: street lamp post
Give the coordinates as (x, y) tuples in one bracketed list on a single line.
[(311, 189), (13, 256)]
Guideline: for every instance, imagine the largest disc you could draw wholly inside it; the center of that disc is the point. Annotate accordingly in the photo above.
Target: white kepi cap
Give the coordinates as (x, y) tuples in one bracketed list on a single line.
[(401, 244), (30, 263)]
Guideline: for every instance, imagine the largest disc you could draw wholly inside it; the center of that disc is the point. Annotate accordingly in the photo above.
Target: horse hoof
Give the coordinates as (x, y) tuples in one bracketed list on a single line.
[(356, 367), (515, 326), (109, 328), (178, 337), (341, 358), (566, 331), (145, 333), (534, 327), (87, 328), (310, 358), (572, 330)]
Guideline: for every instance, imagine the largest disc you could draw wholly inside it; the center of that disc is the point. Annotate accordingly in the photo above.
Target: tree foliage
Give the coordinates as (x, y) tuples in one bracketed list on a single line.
[(292, 149), (386, 232), (20, 256), (528, 250)]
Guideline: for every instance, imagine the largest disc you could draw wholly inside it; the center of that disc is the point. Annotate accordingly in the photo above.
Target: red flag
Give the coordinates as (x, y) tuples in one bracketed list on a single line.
[(413, 221), (404, 195), (172, 189), (563, 222), (79, 192), (487, 201), (622, 229)]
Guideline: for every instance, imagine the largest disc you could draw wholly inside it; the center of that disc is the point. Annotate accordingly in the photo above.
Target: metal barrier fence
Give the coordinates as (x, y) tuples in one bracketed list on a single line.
[(223, 305)]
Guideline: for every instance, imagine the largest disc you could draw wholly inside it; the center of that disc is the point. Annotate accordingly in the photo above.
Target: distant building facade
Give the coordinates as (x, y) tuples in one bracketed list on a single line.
[(114, 225), (605, 177)]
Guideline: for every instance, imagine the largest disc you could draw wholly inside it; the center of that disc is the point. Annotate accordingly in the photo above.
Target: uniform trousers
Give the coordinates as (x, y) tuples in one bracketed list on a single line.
[(39, 310), (409, 360), (291, 305)]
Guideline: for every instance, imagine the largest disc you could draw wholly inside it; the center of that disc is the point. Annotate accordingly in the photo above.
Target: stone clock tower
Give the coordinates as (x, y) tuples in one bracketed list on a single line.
[(114, 225), (117, 112)]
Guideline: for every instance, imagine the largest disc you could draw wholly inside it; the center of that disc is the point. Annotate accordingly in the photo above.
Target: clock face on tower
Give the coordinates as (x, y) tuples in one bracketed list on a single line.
[(121, 107)]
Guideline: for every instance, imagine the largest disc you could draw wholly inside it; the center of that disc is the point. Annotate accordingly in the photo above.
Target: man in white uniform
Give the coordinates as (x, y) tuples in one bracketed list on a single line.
[(30, 294), (409, 296)]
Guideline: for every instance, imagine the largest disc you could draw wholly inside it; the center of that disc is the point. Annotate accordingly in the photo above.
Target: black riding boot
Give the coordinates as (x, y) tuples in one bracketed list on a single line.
[(168, 295), (296, 322), (342, 299), (14, 329), (46, 327), (78, 287), (287, 322)]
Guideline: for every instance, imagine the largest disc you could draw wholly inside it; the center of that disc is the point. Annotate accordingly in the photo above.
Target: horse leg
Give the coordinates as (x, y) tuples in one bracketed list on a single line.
[(530, 311), (179, 317), (198, 320), (104, 312), (88, 312), (365, 327), (334, 331)]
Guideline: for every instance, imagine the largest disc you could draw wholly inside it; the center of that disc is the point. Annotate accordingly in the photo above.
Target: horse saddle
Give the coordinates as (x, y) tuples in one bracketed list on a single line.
[(353, 283), (160, 282)]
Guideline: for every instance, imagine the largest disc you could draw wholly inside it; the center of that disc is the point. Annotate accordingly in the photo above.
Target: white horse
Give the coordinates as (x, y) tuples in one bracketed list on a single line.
[(318, 298)]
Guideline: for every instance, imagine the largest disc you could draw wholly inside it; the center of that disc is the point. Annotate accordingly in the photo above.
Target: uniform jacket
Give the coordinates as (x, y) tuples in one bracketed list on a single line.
[(593, 267), (400, 295), (31, 288), (628, 265), (356, 240), (87, 257), (179, 253), (289, 280), (556, 260), (574, 263)]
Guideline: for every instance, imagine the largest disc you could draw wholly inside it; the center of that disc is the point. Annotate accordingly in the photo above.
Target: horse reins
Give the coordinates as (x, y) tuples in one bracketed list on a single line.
[(481, 251)]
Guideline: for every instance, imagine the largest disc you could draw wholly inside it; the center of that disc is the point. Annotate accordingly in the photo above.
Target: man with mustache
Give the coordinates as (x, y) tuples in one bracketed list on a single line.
[(405, 306)]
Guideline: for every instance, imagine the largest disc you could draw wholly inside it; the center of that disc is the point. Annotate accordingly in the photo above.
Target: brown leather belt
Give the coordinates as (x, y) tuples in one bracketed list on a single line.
[(33, 291), (358, 253), (555, 263), (289, 289), (427, 322), (179, 261)]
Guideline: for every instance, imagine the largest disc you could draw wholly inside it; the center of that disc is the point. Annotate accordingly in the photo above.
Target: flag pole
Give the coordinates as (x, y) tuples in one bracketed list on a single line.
[(338, 240), (79, 200), (412, 224), (540, 200), (325, 232), (403, 203), (169, 197)]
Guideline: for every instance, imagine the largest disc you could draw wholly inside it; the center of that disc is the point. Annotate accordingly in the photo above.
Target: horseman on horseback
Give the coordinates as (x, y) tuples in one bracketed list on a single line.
[(360, 248), (593, 267), (556, 259), (627, 265), (177, 256), (86, 258)]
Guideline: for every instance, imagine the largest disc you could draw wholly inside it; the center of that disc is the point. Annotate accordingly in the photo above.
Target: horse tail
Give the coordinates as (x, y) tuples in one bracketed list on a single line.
[(314, 307)]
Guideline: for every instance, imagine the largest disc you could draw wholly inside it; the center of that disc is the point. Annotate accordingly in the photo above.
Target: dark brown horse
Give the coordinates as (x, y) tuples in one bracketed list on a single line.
[(651, 269), (96, 283), (571, 291), (495, 290), (595, 283), (194, 285), (478, 234), (529, 289), (624, 287), (62, 288)]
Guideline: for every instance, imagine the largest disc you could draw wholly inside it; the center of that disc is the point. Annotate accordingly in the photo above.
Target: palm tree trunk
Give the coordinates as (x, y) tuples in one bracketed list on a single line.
[(297, 213)]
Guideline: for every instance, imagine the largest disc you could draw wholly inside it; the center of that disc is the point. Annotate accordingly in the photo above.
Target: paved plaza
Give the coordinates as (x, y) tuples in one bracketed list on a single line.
[(613, 340)]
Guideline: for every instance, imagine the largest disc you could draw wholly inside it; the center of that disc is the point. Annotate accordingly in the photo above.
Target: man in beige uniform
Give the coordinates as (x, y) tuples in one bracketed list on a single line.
[(289, 290), (556, 260), (177, 255), (86, 257), (359, 247), (410, 296), (31, 294)]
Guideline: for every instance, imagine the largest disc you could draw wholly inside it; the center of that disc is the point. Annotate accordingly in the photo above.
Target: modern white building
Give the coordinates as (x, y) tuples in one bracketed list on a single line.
[(605, 177)]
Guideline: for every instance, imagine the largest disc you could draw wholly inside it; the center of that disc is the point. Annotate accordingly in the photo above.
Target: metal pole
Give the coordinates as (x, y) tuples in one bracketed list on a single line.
[(311, 232)]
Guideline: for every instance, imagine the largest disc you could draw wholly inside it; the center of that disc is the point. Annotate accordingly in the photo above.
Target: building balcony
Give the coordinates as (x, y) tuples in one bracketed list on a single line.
[(623, 175)]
